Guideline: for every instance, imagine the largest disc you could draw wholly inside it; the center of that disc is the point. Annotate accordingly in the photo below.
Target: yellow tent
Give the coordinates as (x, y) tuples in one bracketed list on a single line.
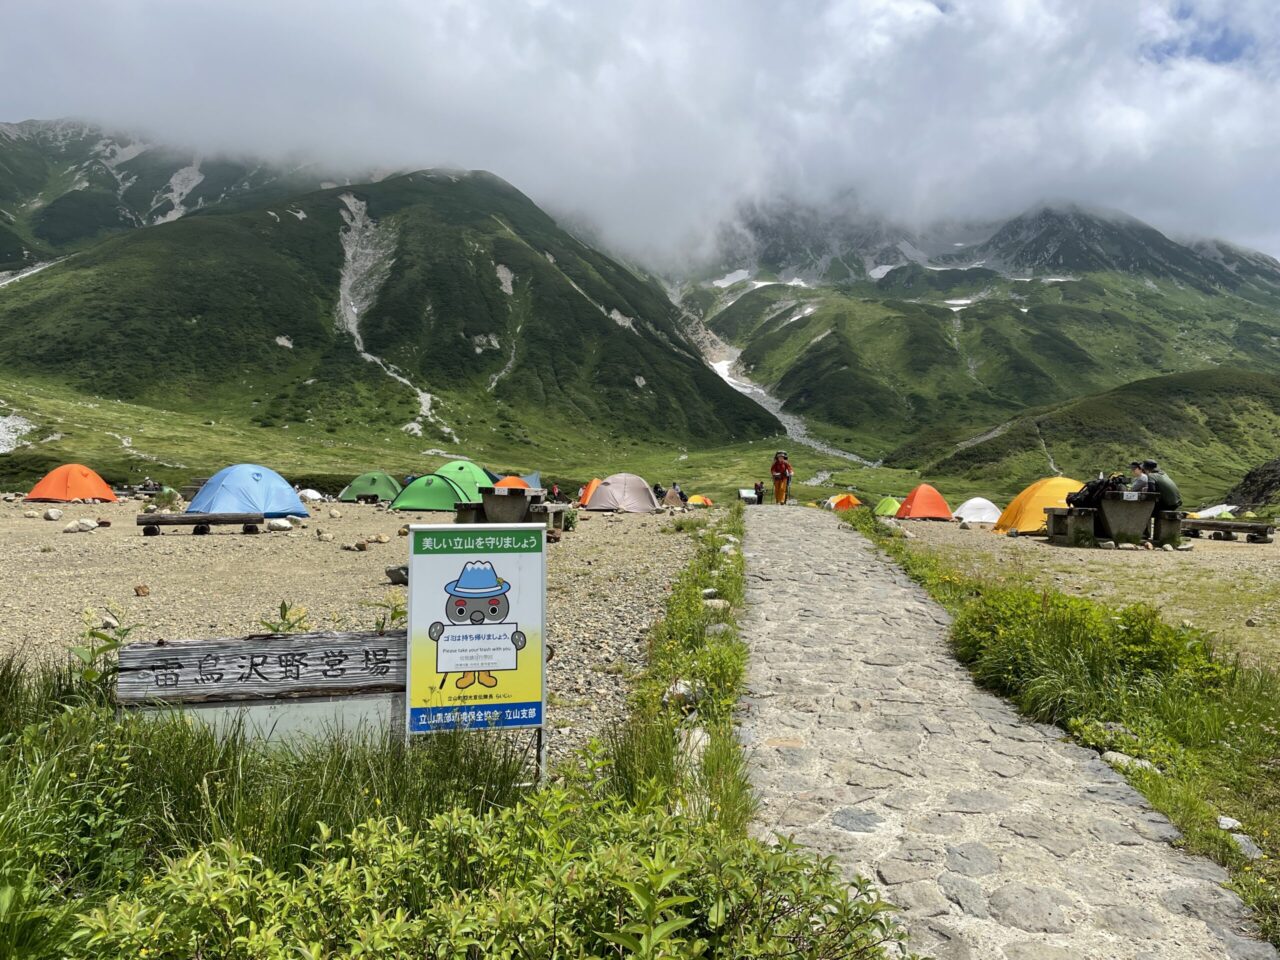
[(1026, 512), (698, 500)]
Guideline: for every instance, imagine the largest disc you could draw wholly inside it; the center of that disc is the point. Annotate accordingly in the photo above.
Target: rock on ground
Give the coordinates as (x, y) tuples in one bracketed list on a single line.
[(996, 837)]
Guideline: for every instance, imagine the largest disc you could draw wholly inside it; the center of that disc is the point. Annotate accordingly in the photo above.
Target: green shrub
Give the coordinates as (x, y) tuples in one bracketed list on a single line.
[(568, 872)]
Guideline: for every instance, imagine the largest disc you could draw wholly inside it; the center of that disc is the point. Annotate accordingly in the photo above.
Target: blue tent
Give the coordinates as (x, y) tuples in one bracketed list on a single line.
[(248, 488), (533, 479)]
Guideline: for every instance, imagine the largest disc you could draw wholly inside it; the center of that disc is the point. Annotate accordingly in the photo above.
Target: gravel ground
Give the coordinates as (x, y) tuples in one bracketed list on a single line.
[(607, 581), (1231, 589)]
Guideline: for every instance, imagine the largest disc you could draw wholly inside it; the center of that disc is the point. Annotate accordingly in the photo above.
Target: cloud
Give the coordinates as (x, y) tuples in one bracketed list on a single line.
[(653, 118)]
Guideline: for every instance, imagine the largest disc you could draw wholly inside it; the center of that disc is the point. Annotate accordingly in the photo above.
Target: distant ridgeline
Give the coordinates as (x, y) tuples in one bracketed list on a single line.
[(1062, 339), (443, 310)]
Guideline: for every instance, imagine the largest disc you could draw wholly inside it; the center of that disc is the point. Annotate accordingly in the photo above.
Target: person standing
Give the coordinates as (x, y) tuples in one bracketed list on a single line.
[(781, 473)]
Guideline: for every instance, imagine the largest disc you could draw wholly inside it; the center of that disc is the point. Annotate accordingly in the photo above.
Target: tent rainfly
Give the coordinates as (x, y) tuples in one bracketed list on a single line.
[(1025, 512), (977, 510), (375, 483), (924, 503), (625, 492), (248, 488), (71, 481), (887, 507), (432, 492)]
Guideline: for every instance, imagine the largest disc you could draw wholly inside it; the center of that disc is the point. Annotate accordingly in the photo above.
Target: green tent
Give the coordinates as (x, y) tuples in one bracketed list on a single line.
[(429, 493), (373, 484), (468, 478), (887, 507)]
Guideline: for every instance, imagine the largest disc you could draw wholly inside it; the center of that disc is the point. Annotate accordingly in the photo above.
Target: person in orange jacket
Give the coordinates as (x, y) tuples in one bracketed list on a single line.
[(782, 473)]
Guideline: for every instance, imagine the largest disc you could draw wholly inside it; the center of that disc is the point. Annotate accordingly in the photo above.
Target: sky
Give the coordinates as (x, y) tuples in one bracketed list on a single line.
[(652, 120)]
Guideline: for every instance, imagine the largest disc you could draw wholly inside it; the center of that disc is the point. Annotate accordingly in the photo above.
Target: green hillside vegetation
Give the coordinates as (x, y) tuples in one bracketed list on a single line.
[(230, 317), (908, 379), (1206, 427)]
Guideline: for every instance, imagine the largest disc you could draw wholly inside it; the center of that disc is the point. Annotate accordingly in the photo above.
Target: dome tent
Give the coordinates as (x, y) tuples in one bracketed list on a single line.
[(924, 503), (887, 507), (977, 510), (71, 481), (431, 492), (513, 483), (843, 501), (1025, 512), (248, 488), (698, 500), (625, 492), (588, 491), (468, 478), (371, 484)]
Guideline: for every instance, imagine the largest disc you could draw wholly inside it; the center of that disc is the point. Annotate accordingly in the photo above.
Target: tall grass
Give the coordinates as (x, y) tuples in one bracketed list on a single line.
[(689, 752), (1123, 679)]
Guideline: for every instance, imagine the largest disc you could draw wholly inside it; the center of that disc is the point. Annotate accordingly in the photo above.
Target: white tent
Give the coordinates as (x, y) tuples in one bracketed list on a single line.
[(310, 494), (1208, 513), (977, 510)]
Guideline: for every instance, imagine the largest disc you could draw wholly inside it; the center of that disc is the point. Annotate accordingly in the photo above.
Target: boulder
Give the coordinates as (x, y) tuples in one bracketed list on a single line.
[(964, 525), (142, 590), (1228, 823), (31, 515), (1246, 846), (398, 575), (681, 694), (1106, 544), (1167, 547), (324, 537), (279, 524), (335, 513), (53, 513), (72, 527), (380, 538), (403, 531), (709, 593), (1122, 761)]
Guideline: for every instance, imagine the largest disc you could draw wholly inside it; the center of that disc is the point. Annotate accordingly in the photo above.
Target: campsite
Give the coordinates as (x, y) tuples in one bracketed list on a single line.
[(640, 481)]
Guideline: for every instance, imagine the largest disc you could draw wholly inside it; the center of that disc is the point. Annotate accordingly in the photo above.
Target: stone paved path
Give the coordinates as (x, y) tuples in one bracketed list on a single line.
[(999, 840)]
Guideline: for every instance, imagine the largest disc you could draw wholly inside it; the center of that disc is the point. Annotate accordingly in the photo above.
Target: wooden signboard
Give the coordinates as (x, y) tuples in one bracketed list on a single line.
[(262, 667)]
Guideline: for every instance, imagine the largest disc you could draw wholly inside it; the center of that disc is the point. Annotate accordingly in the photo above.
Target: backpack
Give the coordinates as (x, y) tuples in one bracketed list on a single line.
[(1090, 495)]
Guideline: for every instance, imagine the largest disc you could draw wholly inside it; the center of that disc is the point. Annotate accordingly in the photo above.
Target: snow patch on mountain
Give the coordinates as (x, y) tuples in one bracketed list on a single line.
[(180, 185), (12, 429), (506, 279), (368, 252)]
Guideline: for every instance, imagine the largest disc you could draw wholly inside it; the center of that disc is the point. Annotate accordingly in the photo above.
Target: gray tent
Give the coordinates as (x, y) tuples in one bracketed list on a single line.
[(625, 492)]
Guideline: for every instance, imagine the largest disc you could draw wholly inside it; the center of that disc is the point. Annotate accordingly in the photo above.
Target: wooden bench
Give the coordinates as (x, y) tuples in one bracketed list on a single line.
[(199, 522), (1254, 531)]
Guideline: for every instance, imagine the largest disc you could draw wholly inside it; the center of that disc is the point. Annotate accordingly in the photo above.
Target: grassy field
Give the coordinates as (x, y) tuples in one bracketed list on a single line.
[(1121, 677)]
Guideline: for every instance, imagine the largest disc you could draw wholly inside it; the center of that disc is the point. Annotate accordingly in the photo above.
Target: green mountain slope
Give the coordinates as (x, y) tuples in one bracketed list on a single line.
[(1205, 426), (923, 358), (435, 305), (64, 184)]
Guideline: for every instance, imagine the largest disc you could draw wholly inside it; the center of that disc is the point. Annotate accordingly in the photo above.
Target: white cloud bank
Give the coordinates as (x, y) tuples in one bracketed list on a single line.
[(652, 118)]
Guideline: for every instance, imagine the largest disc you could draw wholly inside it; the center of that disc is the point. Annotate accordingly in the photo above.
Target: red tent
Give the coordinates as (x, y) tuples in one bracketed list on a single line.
[(71, 481), (924, 503)]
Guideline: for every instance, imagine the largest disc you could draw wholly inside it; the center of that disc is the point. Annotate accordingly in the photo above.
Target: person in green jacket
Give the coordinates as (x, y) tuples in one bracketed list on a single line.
[(1162, 483)]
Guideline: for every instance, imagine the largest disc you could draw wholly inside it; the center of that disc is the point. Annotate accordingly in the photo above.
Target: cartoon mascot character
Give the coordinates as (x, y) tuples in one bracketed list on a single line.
[(476, 598)]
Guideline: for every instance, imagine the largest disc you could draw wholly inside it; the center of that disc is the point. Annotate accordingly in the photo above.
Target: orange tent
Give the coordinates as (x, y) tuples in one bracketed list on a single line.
[(924, 503), (71, 481), (844, 501), (513, 482), (586, 494)]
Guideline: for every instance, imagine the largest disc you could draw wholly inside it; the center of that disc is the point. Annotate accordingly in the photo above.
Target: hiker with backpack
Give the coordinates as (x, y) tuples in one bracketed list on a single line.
[(781, 472)]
